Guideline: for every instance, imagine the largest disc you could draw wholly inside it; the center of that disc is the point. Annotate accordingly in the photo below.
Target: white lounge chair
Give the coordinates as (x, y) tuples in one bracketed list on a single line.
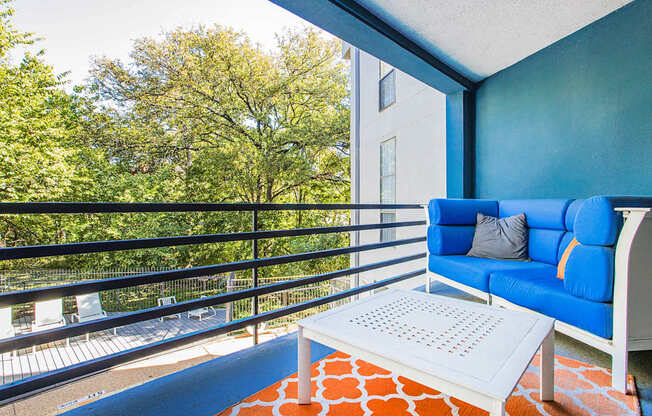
[(89, 308), (48, 314), (6, 324), (7, 329), (168, 300), (200, 312)]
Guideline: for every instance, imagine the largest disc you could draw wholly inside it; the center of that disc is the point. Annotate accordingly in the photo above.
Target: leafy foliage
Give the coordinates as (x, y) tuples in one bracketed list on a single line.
[(196, 115), (238, 123)]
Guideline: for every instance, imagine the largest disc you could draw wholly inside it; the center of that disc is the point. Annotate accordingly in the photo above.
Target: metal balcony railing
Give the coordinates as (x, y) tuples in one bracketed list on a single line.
[(11, 391)]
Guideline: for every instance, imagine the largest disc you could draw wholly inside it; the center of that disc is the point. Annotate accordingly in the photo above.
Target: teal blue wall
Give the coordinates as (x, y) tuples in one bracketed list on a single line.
[(574, 119)]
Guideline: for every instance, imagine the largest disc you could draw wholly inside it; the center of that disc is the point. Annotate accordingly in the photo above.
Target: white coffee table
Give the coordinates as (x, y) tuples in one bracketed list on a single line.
[(474, 352)]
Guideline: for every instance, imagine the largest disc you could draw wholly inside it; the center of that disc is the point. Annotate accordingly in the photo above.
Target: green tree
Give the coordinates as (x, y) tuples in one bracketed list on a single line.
[(231, 123), (36, 116), (37, 119), (199, 115), (237, 123)]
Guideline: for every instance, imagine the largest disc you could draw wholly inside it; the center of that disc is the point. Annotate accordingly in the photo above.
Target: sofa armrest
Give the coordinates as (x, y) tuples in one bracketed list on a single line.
[(443, 211)]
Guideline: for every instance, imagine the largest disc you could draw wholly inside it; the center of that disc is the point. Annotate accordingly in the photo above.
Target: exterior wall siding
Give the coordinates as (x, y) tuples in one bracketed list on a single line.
[(418, 122)]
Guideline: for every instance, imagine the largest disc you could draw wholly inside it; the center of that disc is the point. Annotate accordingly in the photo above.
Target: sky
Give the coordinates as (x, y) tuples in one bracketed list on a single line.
[(75, 30)]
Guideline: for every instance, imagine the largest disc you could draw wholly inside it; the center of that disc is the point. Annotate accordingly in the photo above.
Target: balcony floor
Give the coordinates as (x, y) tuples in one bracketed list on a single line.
[(60, 354), (213, 386)]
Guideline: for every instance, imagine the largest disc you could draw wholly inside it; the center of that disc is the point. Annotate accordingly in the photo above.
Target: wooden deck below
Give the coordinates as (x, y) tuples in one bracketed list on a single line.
[(24, 363)]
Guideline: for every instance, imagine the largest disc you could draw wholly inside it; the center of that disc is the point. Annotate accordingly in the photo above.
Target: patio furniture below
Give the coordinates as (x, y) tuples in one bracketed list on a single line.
[(60, 354), (7, 329), (48, 314), (89, 308), (6, 324), (474, 352), (200, 312), (168, 300), (602, 297)]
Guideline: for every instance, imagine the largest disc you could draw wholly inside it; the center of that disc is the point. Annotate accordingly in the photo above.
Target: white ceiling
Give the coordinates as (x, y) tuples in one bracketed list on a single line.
[(480, 37)]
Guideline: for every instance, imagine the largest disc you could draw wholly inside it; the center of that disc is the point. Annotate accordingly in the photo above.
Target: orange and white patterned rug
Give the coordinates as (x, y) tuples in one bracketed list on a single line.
[(345, 386)]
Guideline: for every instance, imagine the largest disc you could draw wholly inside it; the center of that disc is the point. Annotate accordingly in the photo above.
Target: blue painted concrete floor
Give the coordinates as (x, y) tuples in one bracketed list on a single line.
[(210, 387)]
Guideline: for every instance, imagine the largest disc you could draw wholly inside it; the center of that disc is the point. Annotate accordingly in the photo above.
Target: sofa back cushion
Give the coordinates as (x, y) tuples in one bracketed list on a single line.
[(571, 213), (561, 267), (596, 222), (569, 235), (589, 272), (544, 244), (443, 211), (446, 240), (548, 214), (546, 221)]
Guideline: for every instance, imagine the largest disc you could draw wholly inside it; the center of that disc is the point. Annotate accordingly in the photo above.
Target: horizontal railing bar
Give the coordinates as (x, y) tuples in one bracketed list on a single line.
[(13, 253), (55, 377), (128, 318), (109, 207), (80, 288)]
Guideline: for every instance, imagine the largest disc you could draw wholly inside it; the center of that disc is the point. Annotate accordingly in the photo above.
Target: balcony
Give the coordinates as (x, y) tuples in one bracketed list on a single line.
[(37, 360), (135, 326), (533, 107)]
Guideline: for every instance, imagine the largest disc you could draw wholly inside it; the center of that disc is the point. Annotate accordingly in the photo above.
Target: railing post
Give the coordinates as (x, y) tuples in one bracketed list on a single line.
[(254, 272), (229, 305), (356, 242)]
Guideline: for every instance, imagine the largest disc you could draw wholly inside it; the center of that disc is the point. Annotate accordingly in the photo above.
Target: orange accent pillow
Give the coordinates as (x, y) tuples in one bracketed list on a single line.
[(561, 267)]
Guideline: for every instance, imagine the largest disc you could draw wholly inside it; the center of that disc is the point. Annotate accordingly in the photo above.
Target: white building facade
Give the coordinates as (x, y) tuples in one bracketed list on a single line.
[(398, 155)]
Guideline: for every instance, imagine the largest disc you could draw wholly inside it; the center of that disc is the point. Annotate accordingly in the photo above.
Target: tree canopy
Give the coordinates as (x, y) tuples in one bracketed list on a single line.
[(200, 114), (237, 123)]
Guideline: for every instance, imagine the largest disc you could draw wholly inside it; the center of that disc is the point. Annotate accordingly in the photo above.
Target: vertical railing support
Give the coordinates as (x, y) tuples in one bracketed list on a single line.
[(229, 288), (254, 272)]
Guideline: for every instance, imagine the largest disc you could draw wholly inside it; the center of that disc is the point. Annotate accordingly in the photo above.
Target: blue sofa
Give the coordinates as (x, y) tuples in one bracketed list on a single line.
[(583, 300)]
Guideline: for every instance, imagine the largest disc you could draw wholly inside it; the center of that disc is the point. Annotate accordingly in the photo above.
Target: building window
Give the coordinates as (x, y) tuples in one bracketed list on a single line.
[(388, 186), (386, 86), (384, 69)]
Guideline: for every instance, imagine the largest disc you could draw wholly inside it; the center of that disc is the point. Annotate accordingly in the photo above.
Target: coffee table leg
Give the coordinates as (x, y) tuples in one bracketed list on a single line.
[(547, 374), (498, 409), (304, 368)]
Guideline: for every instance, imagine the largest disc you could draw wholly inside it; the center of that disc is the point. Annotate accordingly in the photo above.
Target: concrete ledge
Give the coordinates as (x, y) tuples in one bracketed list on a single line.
[(210, 387)]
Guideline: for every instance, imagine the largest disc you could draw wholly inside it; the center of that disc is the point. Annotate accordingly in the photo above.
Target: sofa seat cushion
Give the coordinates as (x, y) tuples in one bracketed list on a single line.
[(474, 271), (539, 290)]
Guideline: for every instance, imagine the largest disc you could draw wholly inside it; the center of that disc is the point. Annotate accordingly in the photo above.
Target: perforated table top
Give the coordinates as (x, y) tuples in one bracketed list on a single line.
[(465, 342)]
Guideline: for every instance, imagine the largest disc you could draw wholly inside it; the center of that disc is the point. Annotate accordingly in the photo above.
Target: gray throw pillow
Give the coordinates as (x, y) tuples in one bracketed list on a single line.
[(503, 239)]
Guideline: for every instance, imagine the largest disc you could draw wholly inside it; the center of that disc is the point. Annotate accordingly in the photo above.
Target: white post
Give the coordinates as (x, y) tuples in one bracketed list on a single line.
[(547, 368), (229, 305), (304, 386), (634, 218), (498, 409), (355, 157)]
